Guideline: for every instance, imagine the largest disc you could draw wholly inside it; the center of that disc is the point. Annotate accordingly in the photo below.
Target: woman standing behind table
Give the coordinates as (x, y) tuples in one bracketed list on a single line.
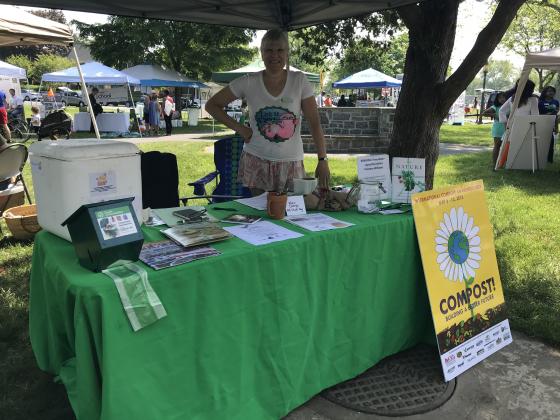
[(528, 104), (549, 106), (273, 152), (498, 127)]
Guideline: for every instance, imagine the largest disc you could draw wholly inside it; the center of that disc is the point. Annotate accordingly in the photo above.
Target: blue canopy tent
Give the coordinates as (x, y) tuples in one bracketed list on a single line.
[(157, 76), (94, 73), (369, 78)]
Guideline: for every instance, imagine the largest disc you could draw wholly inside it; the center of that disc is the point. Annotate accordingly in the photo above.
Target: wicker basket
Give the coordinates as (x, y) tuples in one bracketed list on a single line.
[(22, 221)]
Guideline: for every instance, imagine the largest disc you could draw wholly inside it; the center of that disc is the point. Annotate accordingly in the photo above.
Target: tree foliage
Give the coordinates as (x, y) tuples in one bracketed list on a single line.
[(501, 76), (387, 57), (33, 51), (193, 49), (44, 63), (534, 29)]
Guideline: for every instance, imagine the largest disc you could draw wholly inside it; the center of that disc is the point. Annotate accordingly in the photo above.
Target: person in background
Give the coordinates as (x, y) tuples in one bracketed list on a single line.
[(273, 153), (96, 108), (147, 101), (342, 101), (498, 127), (168, 108), (320, 99), (328, 101), (155, 112), (16, 105), (550, 106), (4, 118), (35, 119), (528, 103)]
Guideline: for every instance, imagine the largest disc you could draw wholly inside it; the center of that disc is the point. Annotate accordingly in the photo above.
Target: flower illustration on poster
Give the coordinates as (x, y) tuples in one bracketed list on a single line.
[(458, 245)]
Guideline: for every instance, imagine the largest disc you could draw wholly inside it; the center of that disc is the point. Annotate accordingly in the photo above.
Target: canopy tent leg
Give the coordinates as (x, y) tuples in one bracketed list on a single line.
[(135, 116), (84, 88)]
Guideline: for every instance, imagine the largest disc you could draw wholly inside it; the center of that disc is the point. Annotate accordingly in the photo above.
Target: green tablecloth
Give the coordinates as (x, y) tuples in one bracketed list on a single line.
[(250, 334)]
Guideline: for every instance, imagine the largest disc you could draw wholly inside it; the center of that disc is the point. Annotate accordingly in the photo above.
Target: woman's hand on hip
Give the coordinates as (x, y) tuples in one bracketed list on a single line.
[(323, 174), (246, 133)]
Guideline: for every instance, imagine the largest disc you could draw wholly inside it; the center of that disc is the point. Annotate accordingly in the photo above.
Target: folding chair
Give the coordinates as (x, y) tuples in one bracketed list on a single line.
[(12, 161), (227, 152), (160, 180)]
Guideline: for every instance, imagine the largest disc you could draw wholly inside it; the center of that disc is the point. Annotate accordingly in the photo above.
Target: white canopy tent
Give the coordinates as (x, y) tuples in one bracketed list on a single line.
[(7, 69), (18, 27), (548, 60)]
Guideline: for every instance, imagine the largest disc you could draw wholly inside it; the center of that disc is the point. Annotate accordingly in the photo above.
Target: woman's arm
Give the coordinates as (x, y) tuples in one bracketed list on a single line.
[(534, 102), (215, 107), (504, 111), (309, 108)]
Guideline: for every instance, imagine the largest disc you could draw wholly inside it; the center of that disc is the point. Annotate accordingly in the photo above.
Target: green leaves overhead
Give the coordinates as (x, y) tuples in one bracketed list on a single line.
[(195, 50)]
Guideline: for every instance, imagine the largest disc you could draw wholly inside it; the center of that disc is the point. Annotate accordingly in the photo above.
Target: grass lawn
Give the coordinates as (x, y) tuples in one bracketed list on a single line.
[(523, 209), (470, 134)]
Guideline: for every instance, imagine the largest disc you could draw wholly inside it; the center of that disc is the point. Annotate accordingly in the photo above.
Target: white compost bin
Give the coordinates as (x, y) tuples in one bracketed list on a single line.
[(69, 173)]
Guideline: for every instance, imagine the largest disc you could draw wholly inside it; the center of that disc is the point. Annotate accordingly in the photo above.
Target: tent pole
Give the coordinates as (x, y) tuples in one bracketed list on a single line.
[(84, 89), (135, 116)]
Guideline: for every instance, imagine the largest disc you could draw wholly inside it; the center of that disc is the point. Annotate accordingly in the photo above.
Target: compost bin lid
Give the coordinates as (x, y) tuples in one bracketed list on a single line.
[(83, 149)]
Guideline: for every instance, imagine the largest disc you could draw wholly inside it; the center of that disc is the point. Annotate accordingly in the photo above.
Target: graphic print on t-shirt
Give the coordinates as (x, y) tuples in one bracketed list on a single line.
[(276, 124)]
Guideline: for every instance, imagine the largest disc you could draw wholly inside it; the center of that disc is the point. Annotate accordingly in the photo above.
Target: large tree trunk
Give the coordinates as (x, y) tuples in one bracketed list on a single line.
[(426, 95)]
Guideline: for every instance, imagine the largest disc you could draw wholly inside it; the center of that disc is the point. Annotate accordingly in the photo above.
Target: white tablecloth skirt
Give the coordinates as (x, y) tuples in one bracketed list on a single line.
[(118, 121)]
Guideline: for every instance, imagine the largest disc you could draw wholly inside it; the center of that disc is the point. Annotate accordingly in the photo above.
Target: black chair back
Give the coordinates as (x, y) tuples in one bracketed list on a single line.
[(160, 180)]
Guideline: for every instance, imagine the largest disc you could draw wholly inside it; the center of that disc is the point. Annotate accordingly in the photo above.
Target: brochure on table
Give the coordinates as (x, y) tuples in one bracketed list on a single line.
[(408, 177), (258, 202), (316, 222), (466, 297), (376, 168), (164, 254), (191, 235), (262, 233)]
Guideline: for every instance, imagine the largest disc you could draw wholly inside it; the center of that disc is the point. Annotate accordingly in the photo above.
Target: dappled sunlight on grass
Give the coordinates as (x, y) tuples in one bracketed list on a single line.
[(524, 212)]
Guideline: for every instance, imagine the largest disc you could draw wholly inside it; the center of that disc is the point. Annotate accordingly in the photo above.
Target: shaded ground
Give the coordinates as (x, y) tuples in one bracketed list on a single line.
[(522, 381)]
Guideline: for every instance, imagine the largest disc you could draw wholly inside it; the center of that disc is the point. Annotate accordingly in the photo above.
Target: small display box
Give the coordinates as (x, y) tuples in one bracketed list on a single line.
[(106, 232)]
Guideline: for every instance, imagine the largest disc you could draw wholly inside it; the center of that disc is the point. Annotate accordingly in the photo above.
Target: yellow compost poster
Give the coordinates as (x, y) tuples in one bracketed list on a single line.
[(466, 297)]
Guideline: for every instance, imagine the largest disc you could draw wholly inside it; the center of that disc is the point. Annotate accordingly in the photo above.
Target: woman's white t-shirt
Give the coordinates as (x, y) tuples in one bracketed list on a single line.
[(531, 107), (275, 120)]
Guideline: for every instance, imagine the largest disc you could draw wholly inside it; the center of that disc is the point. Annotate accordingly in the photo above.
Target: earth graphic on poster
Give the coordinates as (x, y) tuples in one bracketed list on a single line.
[(458, 246)]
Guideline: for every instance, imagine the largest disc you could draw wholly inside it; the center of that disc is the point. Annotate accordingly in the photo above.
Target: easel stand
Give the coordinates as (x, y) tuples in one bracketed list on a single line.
[(534, 146)]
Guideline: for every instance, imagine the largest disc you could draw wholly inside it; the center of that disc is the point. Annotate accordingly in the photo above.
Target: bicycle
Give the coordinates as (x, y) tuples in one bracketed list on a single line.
[(19, 129)]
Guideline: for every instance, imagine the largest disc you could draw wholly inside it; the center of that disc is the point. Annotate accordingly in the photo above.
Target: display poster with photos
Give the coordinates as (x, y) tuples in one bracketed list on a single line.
[(407, 177), (466, 297), (116, 222)]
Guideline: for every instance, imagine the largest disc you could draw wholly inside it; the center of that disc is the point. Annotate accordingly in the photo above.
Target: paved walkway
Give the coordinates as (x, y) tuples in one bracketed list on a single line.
[(520, 382), (445, 148)]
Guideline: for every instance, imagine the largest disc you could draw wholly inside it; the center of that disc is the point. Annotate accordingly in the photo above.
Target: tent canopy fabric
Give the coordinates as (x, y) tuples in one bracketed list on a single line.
[(94, 73), (254, 67), (368, 78), (18, 27), (7, 69), (258, 14), (549, 60), (158, 76)]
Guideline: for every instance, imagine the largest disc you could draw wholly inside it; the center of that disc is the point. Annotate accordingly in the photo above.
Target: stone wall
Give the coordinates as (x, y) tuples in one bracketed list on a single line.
[(353, 130)]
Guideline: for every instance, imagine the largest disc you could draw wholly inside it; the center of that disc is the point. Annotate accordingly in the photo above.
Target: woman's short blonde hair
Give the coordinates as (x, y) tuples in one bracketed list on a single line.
[(275, 35)]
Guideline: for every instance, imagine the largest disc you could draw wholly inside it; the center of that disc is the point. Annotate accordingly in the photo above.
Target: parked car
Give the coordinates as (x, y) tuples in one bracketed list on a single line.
[(65, 97), (30, 95)]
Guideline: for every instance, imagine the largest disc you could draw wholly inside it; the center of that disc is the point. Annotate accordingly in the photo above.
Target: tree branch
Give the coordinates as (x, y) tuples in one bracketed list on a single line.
[(410, 15), (486, 42), (546, 3)]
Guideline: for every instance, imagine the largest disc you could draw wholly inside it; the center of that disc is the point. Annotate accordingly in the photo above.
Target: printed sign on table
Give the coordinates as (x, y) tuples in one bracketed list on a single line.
[(408, 177), (376, 168), (462, 278)]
